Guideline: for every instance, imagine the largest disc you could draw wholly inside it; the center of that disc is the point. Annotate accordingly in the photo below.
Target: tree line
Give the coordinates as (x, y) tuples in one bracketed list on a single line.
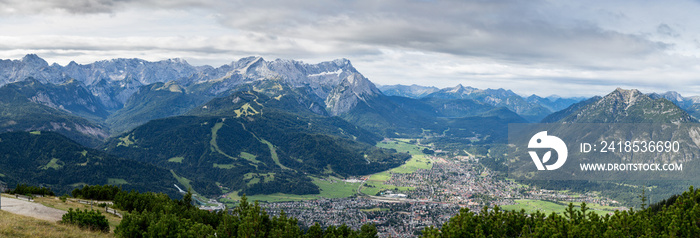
[(24, 189), (675, 217), (156, 215), (96, 192)]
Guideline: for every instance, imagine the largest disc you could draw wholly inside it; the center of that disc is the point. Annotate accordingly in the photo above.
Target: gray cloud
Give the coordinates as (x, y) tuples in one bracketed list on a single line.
[(666, 30), (511, 43), (10, 7), (518, 31)]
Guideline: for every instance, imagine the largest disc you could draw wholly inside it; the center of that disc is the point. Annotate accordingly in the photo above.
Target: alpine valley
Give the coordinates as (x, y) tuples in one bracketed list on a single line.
[(260, 127)]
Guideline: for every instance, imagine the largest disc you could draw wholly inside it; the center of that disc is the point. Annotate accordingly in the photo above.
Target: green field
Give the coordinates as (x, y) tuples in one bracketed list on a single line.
[(548, 207), (339, 189), (183, 181), (417, 161), (176, 159), (401, 146), (116, 181), (54, 164), (335, 189), (224, 166), (273, 153), (376, 209)]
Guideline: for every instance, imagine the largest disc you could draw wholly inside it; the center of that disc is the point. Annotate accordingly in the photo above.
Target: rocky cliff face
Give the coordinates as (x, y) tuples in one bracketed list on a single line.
[(113, 82), (352, 90)]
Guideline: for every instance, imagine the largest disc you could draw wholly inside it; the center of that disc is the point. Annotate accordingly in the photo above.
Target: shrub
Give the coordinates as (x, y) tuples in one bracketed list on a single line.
[(92, 219)]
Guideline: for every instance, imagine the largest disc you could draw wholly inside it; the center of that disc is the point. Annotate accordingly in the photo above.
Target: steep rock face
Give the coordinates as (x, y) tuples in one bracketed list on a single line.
[(114, 81), (138, 70), (108, 91), (320, 78), (352, 90), (31, 66)]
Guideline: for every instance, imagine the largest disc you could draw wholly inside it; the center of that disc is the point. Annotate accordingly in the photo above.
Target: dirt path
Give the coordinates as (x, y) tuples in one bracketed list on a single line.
[(31, 209)]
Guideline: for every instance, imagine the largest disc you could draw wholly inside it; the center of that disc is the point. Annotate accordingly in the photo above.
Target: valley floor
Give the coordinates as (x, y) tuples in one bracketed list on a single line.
[(426, 191)]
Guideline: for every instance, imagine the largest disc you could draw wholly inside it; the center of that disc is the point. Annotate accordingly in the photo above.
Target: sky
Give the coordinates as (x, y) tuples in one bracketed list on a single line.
[(567, 48)]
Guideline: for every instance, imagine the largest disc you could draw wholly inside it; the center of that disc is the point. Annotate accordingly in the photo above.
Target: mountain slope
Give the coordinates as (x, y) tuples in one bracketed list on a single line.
[(556, 116), (153, 101), (20, 113), (689, 104), (246, 143), (50, 159), (553, 103), (629, 106), (70, 97)]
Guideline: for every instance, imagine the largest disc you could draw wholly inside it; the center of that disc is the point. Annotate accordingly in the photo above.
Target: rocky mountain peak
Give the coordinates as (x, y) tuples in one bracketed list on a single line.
[(629, 106), (626, 97), (342, 62), (34, 60)]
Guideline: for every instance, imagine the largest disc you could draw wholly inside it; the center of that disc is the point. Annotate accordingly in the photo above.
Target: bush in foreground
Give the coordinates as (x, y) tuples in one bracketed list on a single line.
[(92, 219)]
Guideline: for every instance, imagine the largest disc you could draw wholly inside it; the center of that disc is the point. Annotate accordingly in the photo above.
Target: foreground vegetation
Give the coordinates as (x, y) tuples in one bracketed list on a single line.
[(12, 225), (92, 220), (24, 189), (675, 217), (156, 215), (547, 207)]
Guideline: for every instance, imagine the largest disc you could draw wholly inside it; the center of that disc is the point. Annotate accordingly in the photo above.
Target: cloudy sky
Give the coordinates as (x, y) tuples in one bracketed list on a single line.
[(569, 48)]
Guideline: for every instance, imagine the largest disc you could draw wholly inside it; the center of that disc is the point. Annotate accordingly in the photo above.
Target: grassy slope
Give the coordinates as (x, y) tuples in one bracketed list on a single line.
[(12, 225), (548, 207), (54, 202), (331, 187)]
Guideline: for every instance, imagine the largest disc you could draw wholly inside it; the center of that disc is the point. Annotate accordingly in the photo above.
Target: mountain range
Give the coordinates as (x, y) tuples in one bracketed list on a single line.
[(120, 94), (259, 127), (533, 108)]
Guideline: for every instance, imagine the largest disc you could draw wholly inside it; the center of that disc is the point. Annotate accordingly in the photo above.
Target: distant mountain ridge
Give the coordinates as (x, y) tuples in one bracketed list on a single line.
[(689, 104), (623, 106), (129, 92), (114, 81), (496, 97), (533, 108), (120, 85), (409, 91)]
